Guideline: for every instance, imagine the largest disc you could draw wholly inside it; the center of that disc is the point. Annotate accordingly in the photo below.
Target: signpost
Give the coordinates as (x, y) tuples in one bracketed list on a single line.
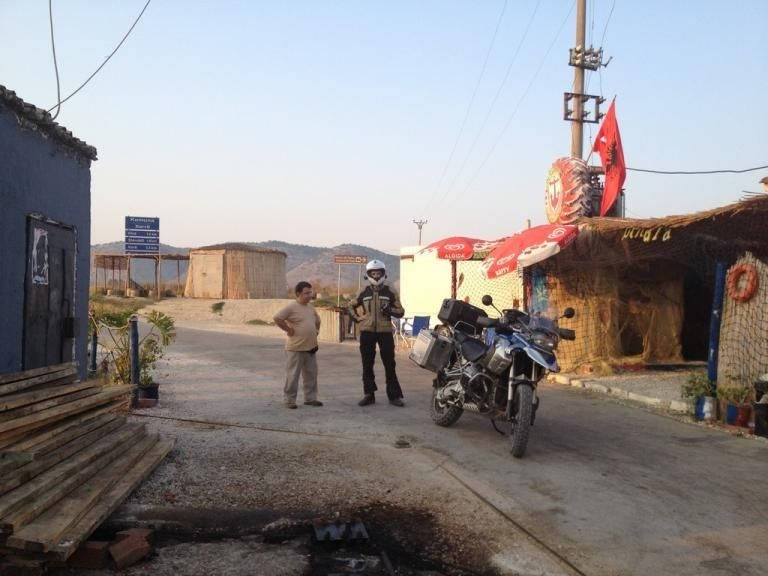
[(142, 237), (347, 259)]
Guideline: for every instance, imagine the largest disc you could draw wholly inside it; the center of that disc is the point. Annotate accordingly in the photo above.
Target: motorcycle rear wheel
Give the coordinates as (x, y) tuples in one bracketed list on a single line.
[(521, 428), (443, 415)]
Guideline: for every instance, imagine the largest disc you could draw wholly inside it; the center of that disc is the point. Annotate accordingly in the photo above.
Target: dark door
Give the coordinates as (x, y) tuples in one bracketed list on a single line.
[(49, 291)]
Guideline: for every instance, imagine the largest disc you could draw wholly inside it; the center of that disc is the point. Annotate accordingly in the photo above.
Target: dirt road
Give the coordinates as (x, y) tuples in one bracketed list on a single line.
[(605, 488)]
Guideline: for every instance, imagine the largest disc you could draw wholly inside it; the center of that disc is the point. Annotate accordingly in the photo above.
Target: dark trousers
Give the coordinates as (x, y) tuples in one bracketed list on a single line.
[(386, 342)]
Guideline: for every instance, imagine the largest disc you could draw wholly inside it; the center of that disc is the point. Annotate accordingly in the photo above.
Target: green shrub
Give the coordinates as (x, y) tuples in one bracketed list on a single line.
[(698, 385), (217, 308)]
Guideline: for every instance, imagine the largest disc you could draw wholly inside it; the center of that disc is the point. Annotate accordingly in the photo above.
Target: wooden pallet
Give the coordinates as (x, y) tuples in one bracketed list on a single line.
[(68, 459)]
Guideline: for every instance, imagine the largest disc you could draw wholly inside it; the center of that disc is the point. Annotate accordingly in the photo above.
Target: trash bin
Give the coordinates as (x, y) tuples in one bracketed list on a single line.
[(760, 409)]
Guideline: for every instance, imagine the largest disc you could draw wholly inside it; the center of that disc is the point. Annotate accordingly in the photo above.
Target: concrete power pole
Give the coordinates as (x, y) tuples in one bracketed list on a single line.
[(420, 224)]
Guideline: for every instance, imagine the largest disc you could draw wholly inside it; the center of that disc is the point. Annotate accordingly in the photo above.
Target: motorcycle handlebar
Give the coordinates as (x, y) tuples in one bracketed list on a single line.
[(486, 322), (567, 334)]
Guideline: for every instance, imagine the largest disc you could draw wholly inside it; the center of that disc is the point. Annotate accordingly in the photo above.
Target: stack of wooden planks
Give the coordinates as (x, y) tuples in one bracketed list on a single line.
[(68, 458)]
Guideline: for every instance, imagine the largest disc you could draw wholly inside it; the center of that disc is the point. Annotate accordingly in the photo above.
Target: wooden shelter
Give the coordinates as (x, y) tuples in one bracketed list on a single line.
[(236, 271), (643, 289)]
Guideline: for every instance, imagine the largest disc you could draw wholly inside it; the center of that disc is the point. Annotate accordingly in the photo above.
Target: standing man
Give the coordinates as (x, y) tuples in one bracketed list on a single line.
[(374, 309), (300, 321)]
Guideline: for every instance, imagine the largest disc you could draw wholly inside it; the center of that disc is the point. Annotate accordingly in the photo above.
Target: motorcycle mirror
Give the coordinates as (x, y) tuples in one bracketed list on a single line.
[(569, 312), (487, 300)]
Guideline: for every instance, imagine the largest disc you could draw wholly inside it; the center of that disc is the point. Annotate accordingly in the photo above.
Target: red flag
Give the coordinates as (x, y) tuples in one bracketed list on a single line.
[(608, 145)]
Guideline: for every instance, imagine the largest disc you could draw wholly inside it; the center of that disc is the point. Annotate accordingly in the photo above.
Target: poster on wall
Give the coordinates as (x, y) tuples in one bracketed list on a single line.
[(40, 257)]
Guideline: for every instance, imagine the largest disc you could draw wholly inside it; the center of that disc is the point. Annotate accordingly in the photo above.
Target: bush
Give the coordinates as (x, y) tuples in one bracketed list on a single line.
[(698, 385), (117, 363), (217, 308)]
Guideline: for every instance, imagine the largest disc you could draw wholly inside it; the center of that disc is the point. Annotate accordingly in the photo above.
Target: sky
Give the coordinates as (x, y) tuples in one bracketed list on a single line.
[(327, 122)]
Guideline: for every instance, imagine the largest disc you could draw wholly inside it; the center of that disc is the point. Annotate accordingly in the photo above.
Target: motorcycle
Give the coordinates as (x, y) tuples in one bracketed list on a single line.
[(497, 379)]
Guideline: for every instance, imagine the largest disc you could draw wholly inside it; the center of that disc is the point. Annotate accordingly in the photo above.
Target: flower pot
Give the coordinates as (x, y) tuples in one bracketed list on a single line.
[(743, 414), (731, 413), (704, 409), (761, 419), (150, 392)]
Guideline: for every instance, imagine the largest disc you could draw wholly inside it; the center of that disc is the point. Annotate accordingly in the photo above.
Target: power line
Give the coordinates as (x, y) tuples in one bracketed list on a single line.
[(693, 172), (469, 107), (493, 103), (520, 100), (55, 63), (107, 58)]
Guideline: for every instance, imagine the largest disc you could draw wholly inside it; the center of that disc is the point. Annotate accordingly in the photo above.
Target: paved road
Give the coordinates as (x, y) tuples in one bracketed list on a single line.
[(610, 488)]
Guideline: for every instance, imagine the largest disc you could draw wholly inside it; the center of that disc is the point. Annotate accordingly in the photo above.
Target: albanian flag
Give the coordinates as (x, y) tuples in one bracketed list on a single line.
[(608, 145)]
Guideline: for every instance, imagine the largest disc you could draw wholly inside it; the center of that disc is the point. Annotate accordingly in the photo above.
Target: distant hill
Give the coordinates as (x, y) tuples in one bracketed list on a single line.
[(311, 263)]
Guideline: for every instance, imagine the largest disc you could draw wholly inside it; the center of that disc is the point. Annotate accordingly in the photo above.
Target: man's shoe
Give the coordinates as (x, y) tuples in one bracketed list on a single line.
[(291, 405), (367, 399), (397, 402), (313, 403)]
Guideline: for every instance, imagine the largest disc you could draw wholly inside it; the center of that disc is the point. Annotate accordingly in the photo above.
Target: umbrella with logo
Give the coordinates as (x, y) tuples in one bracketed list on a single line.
[(455, 248), (528, 247)]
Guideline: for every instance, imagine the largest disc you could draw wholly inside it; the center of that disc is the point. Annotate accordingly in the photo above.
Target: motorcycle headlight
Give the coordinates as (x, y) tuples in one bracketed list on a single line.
[(544, 340)]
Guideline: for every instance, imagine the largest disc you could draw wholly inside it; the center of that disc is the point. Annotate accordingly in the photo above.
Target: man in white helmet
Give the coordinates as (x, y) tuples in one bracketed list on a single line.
[(374, 309)]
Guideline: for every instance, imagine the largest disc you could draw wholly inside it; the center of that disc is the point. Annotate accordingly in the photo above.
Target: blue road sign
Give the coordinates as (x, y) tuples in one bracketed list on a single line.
[(142, 235)]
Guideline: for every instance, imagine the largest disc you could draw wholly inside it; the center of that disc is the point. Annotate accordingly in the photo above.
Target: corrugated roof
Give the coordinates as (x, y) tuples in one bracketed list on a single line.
[(239, 246), (43, 121)]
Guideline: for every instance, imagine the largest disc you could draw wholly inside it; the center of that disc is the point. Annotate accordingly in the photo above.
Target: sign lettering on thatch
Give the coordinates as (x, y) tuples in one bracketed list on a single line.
[(346, 259), (660, 233)]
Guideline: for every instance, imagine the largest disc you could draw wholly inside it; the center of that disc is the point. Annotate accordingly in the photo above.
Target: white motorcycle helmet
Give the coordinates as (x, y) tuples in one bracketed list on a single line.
[(376, 265)]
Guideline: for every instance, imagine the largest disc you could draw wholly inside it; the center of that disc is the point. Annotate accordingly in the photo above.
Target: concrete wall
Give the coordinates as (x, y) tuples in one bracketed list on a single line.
[(38, 175), (425, 281)]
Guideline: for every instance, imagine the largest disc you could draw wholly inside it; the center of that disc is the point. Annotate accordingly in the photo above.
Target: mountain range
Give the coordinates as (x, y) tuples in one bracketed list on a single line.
[(312, 263)]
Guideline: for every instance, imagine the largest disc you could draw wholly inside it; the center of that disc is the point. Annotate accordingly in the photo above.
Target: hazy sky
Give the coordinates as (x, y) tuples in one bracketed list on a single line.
[(325, 122)]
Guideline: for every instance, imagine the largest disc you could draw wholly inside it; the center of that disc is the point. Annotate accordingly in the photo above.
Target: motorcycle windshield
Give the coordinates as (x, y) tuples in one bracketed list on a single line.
[(543, 326)]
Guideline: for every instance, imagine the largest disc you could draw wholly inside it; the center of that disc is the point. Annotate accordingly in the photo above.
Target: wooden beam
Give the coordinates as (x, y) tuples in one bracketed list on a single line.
[(19, 413), (30, 499), (46, 530), (38, 419), (16, 478), (65, 434), (110, 501), (11, 401), (26, 436), (26, 383), (27, 374)]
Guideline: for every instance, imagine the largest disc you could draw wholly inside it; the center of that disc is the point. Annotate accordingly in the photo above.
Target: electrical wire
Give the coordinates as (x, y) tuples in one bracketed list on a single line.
[(697, 172), (520, 100), (493, 102), (107, 58), (55, 63), (469, 107)]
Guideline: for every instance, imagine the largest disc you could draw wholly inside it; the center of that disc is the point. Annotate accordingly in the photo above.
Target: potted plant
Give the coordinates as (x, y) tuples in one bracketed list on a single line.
[(701, 391), (151, 349), (737, 408)]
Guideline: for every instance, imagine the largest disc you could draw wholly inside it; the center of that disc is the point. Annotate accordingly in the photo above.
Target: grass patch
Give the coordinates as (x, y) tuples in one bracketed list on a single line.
[(258, 322), (115, 310), (329, 302), (217, 308)]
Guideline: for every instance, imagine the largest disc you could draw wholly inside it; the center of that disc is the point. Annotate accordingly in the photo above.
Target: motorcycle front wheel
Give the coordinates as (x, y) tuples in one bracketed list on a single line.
[(521, 427), (443, 415)]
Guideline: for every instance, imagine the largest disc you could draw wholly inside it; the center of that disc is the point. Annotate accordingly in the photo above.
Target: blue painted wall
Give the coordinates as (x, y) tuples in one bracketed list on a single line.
[(39, 175)]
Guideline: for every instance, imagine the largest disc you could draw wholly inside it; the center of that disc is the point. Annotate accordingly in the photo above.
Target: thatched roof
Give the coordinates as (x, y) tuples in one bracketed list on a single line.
[(694, 240), (239, 247)]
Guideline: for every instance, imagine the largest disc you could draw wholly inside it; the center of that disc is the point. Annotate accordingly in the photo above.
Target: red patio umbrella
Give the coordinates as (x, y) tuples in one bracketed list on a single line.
[(456, 248), (528, 247)]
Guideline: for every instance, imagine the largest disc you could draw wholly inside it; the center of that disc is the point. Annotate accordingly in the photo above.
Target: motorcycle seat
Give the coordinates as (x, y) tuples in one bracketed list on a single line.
[(471, 348)]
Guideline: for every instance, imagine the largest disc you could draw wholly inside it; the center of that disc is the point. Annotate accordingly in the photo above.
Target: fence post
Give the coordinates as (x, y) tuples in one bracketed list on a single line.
[(94, 347), (134, 361), (714, 322)]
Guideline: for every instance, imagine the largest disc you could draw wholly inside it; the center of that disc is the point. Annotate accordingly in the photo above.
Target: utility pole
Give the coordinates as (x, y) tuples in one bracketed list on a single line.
[(420, 224), (577, 128), (581, 58)]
